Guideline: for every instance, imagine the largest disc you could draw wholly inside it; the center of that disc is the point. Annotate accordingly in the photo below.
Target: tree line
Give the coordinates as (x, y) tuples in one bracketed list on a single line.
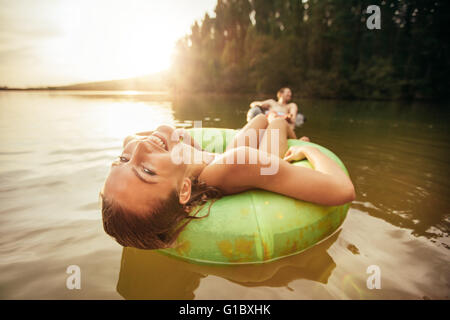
[(319, 48)]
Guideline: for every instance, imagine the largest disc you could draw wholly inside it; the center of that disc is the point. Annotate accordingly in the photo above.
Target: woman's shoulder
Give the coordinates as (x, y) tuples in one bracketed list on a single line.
[(235, 170), (210, 157), (218, 167)]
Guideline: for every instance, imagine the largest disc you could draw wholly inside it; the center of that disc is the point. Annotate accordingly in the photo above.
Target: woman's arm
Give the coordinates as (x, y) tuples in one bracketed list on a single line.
[(318, 160), (341, 187), (327, 184)]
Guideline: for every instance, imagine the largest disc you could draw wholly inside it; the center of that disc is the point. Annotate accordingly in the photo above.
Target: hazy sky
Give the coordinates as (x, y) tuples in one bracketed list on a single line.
[(54, 42)]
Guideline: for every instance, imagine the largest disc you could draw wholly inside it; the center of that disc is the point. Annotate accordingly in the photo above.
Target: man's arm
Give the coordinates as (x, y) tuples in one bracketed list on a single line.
[(266, 104), (293, 110)]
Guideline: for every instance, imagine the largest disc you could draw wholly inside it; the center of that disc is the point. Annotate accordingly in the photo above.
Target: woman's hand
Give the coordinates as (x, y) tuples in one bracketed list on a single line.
[(296, 153), (326, 183)]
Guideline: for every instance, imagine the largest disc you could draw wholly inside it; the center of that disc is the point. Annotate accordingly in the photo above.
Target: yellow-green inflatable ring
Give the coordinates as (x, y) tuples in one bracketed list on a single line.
[(255, 226)]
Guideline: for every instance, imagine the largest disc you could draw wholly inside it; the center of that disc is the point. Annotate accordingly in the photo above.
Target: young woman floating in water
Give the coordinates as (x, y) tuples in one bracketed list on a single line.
[(147, 195)]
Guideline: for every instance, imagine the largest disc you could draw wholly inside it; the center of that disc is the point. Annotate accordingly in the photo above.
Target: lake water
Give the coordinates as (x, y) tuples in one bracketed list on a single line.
[(56, 148)]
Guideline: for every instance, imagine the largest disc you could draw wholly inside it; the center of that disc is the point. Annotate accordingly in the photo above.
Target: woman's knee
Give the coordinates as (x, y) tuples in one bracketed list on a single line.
[(258, 122), (278, 122), (253, 112), (282, 125), (262, 120)]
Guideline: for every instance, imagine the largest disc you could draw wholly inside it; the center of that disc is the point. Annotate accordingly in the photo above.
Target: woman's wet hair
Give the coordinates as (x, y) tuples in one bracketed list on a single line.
[(160, 227)]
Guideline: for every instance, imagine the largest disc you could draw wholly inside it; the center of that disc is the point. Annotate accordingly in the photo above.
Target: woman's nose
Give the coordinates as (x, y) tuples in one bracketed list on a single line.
[(141, 149)]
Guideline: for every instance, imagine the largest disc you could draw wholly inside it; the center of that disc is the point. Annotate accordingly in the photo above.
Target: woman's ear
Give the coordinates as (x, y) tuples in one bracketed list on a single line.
[(185, 191)]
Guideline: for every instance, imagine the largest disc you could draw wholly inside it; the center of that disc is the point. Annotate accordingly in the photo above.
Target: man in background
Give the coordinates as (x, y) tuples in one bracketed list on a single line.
[(282, 108)]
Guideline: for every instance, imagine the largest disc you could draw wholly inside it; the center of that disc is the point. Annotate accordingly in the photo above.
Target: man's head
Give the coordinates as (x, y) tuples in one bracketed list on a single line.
[(284, 95)]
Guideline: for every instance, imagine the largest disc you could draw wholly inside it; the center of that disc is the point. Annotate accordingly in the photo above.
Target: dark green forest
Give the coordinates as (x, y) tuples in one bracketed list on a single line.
[(319, 48)]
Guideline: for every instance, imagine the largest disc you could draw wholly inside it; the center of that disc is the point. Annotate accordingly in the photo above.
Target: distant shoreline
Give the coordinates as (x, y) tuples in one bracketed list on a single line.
[(80, 89), (151, 82), (85, 89), (252, 96)]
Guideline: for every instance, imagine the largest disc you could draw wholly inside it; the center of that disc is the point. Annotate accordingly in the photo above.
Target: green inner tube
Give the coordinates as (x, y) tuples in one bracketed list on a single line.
[(254, 226)]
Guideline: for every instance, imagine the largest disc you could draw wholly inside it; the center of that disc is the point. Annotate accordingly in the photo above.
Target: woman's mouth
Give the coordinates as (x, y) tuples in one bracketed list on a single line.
[(159, 140)]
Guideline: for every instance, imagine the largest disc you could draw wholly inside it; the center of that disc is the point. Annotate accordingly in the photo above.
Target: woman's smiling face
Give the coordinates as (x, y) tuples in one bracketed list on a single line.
[(145, 174)]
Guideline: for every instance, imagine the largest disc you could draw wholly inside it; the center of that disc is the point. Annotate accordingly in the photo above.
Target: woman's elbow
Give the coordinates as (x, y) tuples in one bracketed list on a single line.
[(346, 194), (342, 194), (350, 193)]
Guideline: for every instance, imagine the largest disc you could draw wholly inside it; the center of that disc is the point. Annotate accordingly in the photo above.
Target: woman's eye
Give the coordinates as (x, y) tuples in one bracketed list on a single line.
[(123, 159), (150, 172)]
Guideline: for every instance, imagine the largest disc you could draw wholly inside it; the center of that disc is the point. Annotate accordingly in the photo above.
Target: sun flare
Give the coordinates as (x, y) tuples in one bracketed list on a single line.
[(65, 42)]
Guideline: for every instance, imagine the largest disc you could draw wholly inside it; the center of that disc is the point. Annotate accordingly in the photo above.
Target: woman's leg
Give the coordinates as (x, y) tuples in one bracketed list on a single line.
[(250, 135), (291, 132), (272, 115), (253, 112), (274, 140)]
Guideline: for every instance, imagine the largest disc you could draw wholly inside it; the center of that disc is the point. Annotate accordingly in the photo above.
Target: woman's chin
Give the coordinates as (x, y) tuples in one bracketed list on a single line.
[(166, 129)]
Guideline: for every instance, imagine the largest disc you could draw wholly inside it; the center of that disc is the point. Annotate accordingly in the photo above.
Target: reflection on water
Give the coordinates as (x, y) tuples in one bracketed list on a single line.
[(56, 147), (146, 274)]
